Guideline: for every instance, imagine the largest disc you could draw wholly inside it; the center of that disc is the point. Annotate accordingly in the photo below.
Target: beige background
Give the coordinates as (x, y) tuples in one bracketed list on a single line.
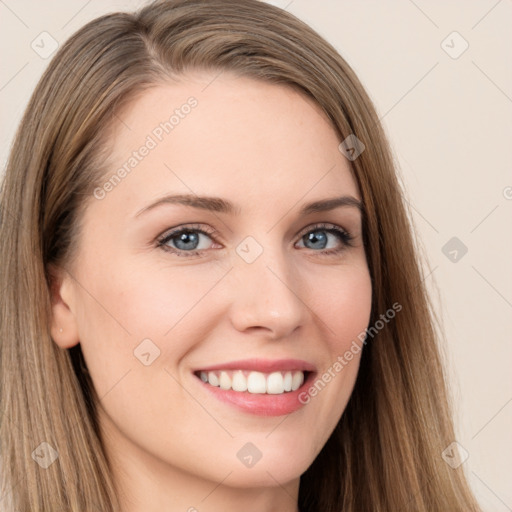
[(450, 125)]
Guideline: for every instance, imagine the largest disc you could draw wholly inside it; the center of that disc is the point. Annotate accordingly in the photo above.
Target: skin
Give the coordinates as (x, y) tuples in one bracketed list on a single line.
[(269, 150)]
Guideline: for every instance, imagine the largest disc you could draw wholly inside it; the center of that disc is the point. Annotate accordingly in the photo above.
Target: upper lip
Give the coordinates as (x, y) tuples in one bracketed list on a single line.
[(262, 365)]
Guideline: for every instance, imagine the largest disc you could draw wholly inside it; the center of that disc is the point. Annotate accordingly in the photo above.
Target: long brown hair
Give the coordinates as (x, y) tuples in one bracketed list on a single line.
[(385, 453)]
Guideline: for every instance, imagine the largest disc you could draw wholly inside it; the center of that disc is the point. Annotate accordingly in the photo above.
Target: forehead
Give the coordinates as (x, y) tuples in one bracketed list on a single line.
[(234, 137)]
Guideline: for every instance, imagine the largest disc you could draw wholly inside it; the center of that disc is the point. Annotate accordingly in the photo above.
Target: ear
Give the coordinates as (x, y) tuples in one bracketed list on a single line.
[(64, 327)]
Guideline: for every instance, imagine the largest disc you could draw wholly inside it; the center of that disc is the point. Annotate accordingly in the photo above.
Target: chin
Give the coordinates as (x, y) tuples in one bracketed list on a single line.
[(280, 462)]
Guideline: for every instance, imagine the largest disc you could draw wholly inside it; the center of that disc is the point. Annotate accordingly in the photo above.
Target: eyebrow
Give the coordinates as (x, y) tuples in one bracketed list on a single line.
[(219, 205)]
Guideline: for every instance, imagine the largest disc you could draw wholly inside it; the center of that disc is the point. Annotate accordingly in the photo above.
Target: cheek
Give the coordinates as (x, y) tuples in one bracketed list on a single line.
[(147, 301), (343, 303), (127, 304), (344, 313), (155, 299)]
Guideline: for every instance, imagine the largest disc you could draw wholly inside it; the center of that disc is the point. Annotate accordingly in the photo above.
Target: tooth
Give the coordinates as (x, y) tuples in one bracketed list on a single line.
[(256, 383), (297, 380), (288, 381), (213, 379), (224, 381), (239, 382), (275, 384)]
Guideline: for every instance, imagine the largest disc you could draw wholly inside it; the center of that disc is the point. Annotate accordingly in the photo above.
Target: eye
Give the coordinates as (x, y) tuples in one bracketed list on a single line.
[(186, 241), (192, 240), (320, 236)]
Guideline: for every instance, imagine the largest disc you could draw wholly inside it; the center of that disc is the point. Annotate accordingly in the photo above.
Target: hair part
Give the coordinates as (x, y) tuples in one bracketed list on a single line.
[(385, 452)]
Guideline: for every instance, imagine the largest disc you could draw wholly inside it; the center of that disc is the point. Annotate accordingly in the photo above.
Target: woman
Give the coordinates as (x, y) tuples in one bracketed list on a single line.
[(212, 299)]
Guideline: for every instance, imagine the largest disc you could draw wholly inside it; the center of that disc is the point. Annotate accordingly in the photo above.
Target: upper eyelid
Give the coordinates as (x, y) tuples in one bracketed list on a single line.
[(324, 225), (186, 227)]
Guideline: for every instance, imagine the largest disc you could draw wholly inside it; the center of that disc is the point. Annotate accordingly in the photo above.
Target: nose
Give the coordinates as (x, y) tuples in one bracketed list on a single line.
[(267, 296)]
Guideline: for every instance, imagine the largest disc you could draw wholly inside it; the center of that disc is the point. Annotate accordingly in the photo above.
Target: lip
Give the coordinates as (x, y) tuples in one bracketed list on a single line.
[(262, 365), (256, 403)]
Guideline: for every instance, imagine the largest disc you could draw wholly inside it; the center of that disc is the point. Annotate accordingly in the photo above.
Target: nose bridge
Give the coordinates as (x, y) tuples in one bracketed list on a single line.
[(267, 295)]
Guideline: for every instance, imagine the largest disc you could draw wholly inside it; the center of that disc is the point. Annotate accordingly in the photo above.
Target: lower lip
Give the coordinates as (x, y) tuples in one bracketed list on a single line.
[(261, 404)]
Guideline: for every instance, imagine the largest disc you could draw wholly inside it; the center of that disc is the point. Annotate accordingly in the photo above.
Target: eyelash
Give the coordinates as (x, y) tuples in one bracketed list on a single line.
[(344, 236)]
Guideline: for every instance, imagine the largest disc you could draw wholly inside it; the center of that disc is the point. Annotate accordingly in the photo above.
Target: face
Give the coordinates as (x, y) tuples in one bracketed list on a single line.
[(252, 289)]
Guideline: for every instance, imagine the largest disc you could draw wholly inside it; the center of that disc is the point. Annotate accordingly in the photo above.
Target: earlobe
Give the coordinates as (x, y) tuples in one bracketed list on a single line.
[(64, 328)]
